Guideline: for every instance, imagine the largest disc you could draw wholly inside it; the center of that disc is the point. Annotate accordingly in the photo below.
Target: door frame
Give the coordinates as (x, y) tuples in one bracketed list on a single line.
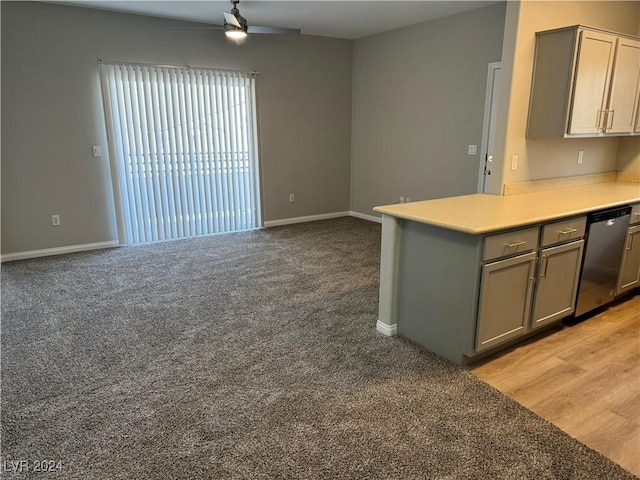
[(490, 102)]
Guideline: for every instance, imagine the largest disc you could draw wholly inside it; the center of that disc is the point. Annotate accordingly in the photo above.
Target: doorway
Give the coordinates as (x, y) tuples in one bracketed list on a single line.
[(488, 128)]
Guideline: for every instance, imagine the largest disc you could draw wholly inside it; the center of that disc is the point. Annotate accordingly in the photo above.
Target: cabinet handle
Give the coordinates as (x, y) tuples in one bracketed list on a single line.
[(609, 125), (516, 244), (532, 269), (599, 121), (567, 231), (630, 242), (543, 271)]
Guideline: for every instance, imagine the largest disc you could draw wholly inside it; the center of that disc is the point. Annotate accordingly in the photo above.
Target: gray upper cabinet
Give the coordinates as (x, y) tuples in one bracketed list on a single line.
[(593, 69), (625, 88), (585, 83)]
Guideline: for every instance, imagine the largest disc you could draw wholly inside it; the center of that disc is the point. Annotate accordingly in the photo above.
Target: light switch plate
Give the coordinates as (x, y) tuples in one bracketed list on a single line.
[(472, 150), (97, 151)]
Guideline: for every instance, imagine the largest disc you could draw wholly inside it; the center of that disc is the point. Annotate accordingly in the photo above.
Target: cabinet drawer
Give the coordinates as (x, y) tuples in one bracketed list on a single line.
[(635, 214), (506, 244), (563, 231)]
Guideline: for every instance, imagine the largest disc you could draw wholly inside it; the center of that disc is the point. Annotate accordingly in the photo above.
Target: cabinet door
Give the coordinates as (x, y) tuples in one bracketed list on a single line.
[(622, 108), (505, 300), (557, 283), (591, 82), (629, 276)]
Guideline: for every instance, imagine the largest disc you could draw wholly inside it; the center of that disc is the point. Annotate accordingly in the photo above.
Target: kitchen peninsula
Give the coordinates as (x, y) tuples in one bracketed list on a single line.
[(439, 257)]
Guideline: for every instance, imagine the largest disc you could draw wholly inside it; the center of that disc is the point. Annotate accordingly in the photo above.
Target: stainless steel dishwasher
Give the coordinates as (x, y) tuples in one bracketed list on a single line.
[(604, 240)]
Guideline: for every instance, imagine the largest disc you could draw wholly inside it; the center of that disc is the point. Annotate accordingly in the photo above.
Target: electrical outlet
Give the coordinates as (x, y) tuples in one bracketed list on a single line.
[(292, 197), (55, 220), (472, 150), (407, 200), (97, 151), (580, 156), (401, 199), (514, 162)]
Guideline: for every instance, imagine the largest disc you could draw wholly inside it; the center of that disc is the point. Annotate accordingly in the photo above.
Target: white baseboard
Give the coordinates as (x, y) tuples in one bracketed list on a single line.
[(308, 218), (388, 330), (45, 252), (322, 216), (362, 216)]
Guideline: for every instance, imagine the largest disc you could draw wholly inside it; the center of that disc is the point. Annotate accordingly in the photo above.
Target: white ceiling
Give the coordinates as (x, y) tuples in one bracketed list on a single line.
[(327, 18)]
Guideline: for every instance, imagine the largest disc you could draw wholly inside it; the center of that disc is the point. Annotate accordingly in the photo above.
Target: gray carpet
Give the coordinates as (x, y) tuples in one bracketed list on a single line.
[(249, 356)]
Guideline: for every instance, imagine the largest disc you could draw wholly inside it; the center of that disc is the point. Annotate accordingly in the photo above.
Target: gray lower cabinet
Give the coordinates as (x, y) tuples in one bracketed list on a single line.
[(556, 283), (519, 294), (629, 276), (463, 296), (506, 289)]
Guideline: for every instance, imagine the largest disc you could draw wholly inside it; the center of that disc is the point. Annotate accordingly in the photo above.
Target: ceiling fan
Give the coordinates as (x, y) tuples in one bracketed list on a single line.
[(236, 27)]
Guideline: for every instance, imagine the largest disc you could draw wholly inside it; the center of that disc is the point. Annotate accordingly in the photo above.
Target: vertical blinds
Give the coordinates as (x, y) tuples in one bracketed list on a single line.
[(184, 145)]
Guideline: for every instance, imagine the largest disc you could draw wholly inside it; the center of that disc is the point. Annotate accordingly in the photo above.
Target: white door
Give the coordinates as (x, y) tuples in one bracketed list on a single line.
[(488, 129)]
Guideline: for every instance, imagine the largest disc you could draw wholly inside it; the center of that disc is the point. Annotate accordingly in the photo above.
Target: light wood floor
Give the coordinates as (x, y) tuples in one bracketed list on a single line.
[(584, 378)]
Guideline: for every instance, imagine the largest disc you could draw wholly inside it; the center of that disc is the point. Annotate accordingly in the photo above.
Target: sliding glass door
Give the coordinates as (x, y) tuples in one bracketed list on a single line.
[(183, 143)]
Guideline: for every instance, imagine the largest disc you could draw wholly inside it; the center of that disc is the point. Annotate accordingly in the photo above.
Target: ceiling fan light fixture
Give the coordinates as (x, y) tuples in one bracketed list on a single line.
[(236, 33)]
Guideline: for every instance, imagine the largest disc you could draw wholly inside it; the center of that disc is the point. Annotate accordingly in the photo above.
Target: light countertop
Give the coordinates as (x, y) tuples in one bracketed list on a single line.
[(483, 213)]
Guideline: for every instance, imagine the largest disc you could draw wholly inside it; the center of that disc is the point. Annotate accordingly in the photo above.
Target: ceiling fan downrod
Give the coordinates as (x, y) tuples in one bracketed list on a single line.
[(235, 10)]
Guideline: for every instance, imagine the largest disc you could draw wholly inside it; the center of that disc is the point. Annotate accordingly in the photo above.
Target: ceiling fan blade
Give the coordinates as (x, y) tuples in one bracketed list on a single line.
[(231, 19), (211, 27), (261, 29)]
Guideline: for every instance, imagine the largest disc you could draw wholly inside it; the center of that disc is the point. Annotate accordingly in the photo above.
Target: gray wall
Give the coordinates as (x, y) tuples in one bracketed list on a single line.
[(418, 101), (52, 114)]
